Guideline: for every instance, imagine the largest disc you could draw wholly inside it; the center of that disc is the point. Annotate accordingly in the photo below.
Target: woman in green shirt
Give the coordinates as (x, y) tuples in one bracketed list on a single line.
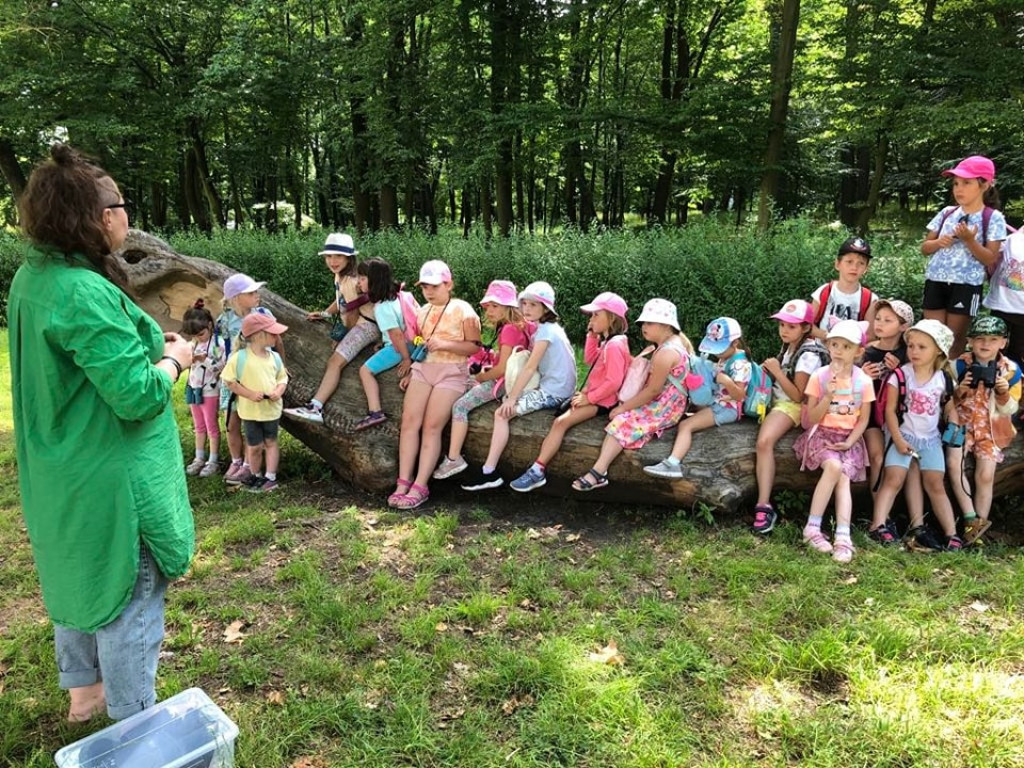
[(99, 458)]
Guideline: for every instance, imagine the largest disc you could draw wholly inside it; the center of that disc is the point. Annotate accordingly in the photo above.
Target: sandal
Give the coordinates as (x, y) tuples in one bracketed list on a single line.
[(371, 419), (416, 497), (399, 494), (975, 529), (582, 483)]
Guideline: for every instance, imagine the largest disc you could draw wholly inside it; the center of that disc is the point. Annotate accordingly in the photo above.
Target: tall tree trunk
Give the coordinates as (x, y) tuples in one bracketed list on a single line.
[(784, 25), (388, 206), (202, 173), (11, 169), (192, 187), (874, 193), (360, 159)]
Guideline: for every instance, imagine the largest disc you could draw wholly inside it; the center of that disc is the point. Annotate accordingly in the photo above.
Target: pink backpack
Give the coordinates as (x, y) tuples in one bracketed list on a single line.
[(410, 308)]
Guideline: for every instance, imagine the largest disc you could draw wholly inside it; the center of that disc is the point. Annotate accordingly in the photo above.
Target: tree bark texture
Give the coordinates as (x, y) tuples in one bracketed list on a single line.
[(720, 466)]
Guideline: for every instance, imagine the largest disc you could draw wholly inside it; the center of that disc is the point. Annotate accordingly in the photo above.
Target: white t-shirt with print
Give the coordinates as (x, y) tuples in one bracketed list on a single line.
[(808, 363), (840, 306), (924, 404)]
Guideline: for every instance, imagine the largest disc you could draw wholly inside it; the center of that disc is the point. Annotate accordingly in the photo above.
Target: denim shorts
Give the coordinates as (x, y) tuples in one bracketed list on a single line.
[(258, 432), (932, 458), (383, 359), (724, 414), (536, 400)]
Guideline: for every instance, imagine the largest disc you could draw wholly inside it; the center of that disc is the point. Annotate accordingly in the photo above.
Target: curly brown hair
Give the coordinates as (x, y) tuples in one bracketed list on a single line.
[(62, 208)]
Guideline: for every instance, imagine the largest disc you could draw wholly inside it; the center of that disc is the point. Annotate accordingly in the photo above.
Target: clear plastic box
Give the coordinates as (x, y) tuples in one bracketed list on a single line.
[(184, 731)]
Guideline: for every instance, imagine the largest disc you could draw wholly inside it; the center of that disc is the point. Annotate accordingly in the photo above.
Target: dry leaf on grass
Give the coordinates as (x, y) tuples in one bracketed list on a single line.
[(276, 698), (572, 537), (234, 633), (511, 705), (310, 762), (608, 655), (979, 606), (440, 627)]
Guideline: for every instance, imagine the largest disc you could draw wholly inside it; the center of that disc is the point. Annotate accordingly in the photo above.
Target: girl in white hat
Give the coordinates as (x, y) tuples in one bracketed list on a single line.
[(661, 401)]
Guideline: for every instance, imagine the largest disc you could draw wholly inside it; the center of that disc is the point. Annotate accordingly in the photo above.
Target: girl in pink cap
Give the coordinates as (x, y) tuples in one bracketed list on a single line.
[(962, 241), (607, 353), (799, 357), (501, 311)]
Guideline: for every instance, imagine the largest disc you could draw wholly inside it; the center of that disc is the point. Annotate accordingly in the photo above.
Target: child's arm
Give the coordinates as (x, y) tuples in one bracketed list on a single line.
[(735, 391), (616, 363), (282, 384), (466, 347), (591, 348), (397, 336), (794, 388), (858, 431), (932, 242), (818, 404), (497, 370), (508, 407), (892, 423), (664, 360), (238, 388), (987, 254), (1006, 403)]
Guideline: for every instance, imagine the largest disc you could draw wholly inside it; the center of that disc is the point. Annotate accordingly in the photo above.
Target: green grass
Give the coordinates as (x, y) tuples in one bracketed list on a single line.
[(464, 638)]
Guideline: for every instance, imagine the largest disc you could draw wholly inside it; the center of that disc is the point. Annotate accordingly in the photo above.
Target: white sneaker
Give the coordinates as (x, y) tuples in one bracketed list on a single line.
[(449, 468), (210, 469), (195, 466), (306, 413), (665, 469)]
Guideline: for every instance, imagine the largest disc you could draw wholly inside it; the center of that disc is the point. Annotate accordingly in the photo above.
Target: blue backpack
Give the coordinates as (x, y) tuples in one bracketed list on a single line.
[(240, 363), (700, 381), (759, 393)]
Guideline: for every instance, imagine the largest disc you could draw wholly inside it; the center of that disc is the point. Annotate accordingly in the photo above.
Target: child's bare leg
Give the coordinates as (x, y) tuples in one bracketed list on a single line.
[(371, 388), (332, 375), (413, 407), (831, 471), (273, 454), (935, 487), (703, 419), (913, 494), (776, 424), (844, 506), (438, 412), (610, 449), (235, 444), (984, 485), (893, 480), (875, 442), (559, 427), (255, 453), (959, 483), (499, 439)]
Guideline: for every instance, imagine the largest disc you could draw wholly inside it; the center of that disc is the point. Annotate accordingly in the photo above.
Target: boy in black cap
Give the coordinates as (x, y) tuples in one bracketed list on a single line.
[(845, 298)]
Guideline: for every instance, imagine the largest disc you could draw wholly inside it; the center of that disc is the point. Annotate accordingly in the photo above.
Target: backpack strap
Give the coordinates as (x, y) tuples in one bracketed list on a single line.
[(986, 217), (865, 302), (823, 302)]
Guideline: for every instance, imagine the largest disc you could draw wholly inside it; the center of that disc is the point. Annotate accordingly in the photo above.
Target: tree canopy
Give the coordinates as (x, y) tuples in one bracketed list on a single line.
[(512, 114)]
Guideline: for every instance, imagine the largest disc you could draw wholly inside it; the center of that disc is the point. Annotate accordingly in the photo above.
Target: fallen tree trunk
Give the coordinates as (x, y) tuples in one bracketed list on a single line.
[(720, 466)]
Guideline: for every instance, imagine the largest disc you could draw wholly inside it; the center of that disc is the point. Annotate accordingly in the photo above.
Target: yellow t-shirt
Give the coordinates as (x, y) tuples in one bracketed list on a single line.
[(261, 373)]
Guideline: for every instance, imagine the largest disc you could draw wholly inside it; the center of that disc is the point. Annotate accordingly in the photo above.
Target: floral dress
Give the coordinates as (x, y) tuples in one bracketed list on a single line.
[(634, 429)]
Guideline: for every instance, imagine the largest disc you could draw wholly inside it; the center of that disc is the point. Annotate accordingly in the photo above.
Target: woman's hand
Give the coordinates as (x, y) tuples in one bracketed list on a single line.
[(177, 347)]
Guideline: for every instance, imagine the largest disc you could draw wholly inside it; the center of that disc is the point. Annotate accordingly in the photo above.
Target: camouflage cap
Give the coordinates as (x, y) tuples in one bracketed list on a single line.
[(988, 325)]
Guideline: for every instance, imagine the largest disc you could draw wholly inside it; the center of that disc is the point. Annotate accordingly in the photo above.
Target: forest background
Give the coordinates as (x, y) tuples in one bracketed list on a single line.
[(514, 115)]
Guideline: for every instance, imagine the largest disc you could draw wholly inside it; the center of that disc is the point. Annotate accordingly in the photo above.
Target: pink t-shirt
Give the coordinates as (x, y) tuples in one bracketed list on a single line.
[(512, 336), (610, 362), (850, 395), (446, 322)]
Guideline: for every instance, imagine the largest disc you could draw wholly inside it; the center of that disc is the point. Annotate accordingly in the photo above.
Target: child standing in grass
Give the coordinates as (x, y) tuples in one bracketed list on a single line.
[(511, 330), (659, 405), (986, 399), (799, 358), (552, 357), (202, 391), (451, 332), (377, 282), (607, 353), (358, 317), (962, 241), (845, 298), (839, 398), (918, 438), (242, 298), (257, 377), (724, 339)]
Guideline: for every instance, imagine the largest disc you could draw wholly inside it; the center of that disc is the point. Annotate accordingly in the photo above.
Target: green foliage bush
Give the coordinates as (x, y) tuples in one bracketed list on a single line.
[(708, 269), (10, 258)]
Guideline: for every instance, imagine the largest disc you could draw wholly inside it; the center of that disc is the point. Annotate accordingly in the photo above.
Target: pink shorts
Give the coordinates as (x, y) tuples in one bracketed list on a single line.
[(453, 376)]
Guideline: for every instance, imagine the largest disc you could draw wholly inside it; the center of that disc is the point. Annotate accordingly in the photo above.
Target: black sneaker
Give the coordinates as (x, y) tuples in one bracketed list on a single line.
[(254, 484), (764, 519), (921, 539), (885, 534), (476, 480)]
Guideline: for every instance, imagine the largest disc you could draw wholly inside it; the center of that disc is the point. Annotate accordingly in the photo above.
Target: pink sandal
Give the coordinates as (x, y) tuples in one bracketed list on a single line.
[(399, 494), (416, 497)]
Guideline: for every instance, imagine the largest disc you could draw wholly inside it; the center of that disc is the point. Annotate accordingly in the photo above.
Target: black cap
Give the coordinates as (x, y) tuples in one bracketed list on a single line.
[(855, 245)]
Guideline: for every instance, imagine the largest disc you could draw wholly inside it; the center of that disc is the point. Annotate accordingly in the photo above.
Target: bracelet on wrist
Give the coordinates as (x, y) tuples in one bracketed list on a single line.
[(177, 365)]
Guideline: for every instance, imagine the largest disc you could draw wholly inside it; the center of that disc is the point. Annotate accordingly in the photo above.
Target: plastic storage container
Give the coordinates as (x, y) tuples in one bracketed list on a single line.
[(184, 731)]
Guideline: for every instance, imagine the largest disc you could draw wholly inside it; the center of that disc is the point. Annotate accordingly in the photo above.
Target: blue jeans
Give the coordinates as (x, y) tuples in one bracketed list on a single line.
[(124, 653)]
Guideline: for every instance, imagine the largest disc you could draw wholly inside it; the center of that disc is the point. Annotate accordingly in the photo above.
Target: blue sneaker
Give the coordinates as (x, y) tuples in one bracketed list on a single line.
[(530, 479)]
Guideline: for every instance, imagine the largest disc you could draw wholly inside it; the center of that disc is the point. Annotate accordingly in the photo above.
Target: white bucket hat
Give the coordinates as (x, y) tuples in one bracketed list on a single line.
[(660, 311)]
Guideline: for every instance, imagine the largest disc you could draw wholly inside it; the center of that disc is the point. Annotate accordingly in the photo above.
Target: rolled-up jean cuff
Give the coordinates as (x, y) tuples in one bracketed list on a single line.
[(78, 678)]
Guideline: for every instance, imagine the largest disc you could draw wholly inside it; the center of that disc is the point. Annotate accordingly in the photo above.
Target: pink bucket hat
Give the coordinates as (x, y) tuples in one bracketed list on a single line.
[(853, 331), (719, 335), (609, 302), (540, 292), (434, 272), (502, 293), (974, 167), (796, 311)]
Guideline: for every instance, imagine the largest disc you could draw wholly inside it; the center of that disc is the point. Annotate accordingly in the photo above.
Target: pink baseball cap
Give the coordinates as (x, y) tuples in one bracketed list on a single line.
[(973, 167), (796, 311), (501, 292), (256, 322), (434, 272), (609, 302)]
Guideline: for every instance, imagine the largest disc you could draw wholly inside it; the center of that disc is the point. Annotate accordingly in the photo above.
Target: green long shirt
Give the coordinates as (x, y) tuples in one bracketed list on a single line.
[(99, 458)]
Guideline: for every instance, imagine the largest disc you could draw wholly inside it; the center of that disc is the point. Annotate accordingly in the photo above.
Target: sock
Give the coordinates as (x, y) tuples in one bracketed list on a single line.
[(316, 404), (271, 475), (971, 516), (488, 470), (539, 467), (200, 454), (842, 532), (676, 462), (814, 522), (245, 464), (236, 462), (214, 458)]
